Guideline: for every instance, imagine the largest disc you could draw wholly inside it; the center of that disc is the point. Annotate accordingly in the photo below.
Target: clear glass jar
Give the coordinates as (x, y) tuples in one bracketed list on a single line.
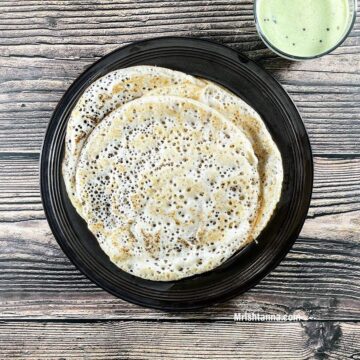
[(349, 25)]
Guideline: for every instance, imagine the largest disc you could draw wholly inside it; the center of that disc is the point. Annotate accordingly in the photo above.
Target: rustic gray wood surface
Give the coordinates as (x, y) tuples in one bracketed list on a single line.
[(48, 309)]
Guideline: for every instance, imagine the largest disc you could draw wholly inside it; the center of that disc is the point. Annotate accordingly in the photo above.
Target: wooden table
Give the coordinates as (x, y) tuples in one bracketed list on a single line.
[(48, 309)]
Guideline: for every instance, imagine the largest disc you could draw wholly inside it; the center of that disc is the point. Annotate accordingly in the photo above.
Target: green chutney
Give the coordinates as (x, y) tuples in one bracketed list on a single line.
[(303, 28)]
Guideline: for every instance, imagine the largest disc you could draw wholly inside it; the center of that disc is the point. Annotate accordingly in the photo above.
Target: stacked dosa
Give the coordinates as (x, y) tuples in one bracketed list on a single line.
[(173, 174)]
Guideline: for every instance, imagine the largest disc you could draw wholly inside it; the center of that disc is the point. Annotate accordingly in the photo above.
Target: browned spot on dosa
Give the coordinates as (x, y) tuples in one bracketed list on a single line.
[(117, 88), (80, 137), (123, 254), (184, 242), (151, 242)]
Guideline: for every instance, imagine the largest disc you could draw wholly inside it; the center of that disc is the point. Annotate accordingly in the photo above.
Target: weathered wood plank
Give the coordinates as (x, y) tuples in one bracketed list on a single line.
[(319, 278), (139, 340), (48, 46)]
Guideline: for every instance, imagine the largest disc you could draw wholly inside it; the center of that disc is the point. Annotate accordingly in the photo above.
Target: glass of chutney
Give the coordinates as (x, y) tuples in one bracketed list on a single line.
[(304, 29)]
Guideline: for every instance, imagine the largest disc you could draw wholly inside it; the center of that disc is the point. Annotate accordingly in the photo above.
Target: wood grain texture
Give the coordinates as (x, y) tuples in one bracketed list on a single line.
[(53, 311), (141, 340)]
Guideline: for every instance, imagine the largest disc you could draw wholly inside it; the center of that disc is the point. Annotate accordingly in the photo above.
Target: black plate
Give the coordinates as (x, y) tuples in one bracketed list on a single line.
[(246, 268)]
